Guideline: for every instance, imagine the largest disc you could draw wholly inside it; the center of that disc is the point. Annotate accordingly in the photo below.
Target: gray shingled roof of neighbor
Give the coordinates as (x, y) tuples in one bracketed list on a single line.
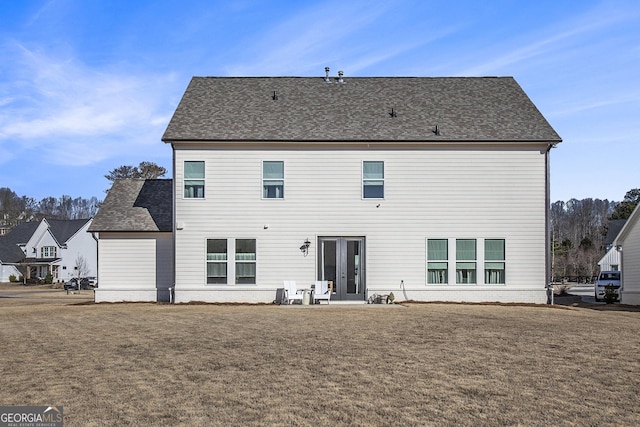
[(613, 229), (62, 230), (21, 233), (271, 109), (136, 205)]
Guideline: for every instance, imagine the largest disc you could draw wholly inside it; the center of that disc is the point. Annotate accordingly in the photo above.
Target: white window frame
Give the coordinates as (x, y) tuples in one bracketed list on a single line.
[(220, 261), (246, 261), (193, 180), (232, 261), (48, 252), (438, 261), (467, 261), (267, 180), (503, 261), (369, 180)]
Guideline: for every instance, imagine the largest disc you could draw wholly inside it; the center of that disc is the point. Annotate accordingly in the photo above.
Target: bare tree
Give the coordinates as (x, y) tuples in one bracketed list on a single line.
[(81, 268)]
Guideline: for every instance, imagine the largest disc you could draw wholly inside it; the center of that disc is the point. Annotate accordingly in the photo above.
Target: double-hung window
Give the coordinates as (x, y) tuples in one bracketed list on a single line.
[(272, 180), (194, 180), (494, 261), (466, 261), (48, 252), (217, 261), (373, 180), (437, 261), (245, 261)]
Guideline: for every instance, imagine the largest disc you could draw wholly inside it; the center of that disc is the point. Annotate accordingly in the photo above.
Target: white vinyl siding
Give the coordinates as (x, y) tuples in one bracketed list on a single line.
[(498, 192), (124, 263), (134, 266)]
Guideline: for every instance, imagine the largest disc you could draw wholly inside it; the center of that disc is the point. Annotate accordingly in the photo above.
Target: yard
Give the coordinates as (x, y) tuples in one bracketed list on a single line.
[(419, 364)]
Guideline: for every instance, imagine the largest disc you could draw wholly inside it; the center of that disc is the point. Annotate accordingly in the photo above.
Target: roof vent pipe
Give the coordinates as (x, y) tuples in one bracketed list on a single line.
[(340, 79), (326, 77)]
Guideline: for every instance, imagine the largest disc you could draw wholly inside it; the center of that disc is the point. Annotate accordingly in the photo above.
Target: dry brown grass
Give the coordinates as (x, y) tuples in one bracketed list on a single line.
[(422, 364)]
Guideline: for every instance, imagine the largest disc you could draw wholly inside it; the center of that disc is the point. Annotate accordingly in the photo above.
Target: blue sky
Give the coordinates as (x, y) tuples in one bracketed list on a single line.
[(89, 85)]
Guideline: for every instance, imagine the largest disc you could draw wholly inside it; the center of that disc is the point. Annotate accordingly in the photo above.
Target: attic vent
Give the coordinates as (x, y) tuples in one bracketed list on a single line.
[(436, 131), (326, 75), (393, 113), (274, 96), (340, 79)]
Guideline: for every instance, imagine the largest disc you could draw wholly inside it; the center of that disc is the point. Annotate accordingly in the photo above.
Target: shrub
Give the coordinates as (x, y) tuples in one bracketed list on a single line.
[(610, 295), (48, 279), (12, 278)]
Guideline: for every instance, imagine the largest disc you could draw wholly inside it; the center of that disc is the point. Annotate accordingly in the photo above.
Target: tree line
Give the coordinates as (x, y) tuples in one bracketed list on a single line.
[(578, 230)]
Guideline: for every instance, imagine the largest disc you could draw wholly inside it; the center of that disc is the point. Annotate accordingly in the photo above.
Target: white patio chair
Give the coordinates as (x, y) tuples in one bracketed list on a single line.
[(292, 292), (321, 292)]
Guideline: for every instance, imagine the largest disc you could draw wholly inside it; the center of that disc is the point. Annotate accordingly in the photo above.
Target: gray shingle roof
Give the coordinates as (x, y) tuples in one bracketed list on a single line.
[(309, 109), (63, 230), (136, 205), (21, 233), (613, 229)]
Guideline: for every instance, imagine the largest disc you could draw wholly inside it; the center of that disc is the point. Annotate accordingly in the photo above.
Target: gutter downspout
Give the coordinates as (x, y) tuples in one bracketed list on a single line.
[(96, 237), (172, 291), (547, 215)]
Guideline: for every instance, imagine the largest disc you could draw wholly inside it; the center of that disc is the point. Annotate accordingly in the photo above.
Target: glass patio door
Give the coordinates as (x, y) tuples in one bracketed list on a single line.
[(341, 261)]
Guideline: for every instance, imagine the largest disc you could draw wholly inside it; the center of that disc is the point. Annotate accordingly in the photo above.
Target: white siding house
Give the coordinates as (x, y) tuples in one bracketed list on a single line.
[(611, 259), (435, 189), (135, 243), (628, 241), (62, 248)]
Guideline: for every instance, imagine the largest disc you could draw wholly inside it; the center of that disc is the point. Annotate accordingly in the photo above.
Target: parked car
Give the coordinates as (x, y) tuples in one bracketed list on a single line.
[(605, 279), (72, 284)]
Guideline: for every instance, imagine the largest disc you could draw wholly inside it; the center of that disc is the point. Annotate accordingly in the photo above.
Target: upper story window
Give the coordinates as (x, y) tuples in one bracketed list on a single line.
[(194, 180), (272, 180), (48, 252), (373, 180)]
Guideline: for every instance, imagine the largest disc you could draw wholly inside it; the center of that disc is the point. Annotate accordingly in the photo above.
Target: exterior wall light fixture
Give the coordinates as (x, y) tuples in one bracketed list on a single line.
[(305, 247)]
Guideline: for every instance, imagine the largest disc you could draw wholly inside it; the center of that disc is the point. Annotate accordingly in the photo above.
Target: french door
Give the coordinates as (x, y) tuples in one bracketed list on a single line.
[(341, 261)]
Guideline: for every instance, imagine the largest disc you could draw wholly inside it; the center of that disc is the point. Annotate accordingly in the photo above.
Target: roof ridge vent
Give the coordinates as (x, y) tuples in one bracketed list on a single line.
[(326, 76)]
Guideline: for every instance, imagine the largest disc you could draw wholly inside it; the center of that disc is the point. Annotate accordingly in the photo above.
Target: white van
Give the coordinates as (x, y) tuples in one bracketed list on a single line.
[(604, 279)]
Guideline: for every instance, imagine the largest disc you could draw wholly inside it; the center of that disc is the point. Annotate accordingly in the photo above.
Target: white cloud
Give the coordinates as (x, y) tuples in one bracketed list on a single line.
[(60, 105)]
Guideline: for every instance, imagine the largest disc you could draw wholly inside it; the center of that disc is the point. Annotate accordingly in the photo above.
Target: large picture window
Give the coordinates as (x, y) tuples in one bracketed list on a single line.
[(466, 261), (194, 180), (217, 261), (494, 257), (373, 180), (246, 261), (437, 261), (272, 180)]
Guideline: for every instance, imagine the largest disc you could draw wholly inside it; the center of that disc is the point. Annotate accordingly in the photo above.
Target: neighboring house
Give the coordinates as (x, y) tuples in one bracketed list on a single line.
[(611, 259), (62, 248), (431, 188), (135, 243), (628, 242)]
